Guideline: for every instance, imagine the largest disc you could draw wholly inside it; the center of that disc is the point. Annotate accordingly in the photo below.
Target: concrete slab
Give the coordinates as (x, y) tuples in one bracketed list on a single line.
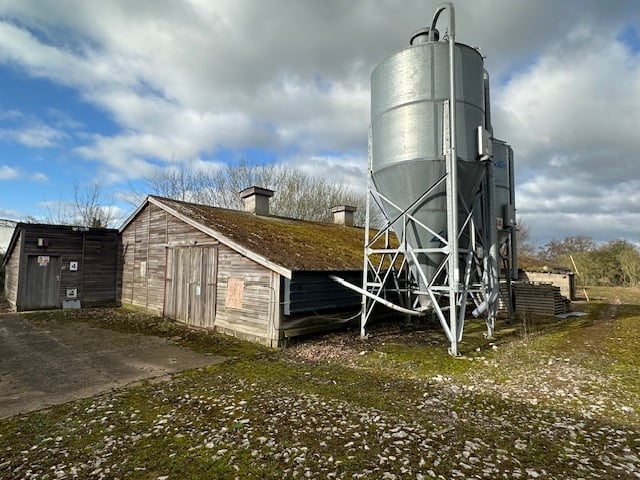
[(44, 364)]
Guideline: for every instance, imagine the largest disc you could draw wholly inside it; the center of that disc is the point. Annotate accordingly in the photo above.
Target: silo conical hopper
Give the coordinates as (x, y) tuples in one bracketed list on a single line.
[(409, 121)]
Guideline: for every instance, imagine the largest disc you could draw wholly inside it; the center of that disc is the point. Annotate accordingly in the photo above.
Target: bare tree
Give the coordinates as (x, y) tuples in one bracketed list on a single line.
[(297, 194), (89, 206), (523, 239), (181, 181)]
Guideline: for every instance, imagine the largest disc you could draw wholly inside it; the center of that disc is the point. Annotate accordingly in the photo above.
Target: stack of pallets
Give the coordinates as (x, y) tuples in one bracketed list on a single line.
[(540, 299)]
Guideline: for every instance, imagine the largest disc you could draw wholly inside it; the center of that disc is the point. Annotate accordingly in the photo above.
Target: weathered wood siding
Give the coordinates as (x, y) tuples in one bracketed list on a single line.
[(250, 313), (92, 252), (12, 273), (145, 244), (190, 292)]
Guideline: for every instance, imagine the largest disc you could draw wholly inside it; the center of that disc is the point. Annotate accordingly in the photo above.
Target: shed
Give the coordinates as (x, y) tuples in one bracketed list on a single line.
[(563, 278), (257, 277), (53, 266)]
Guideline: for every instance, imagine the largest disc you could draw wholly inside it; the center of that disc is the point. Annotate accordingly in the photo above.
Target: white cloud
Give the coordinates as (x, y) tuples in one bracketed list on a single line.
[(39, 177), (350, 170), (38, 136), (571, 118), (8, 173), (12, 173), (30, 131), (181, 79)]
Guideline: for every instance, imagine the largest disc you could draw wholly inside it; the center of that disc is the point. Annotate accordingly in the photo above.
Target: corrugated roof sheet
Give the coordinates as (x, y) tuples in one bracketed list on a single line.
[(296, 245)]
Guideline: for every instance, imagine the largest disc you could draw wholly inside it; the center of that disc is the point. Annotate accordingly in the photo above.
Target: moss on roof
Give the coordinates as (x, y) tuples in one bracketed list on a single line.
[(291, 243)]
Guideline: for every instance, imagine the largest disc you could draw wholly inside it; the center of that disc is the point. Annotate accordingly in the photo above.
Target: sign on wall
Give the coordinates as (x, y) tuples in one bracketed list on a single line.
[(235, 292)]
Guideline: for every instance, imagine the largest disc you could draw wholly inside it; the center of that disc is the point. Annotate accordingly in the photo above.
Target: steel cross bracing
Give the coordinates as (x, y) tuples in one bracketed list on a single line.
[(386, 274), (392, 273)]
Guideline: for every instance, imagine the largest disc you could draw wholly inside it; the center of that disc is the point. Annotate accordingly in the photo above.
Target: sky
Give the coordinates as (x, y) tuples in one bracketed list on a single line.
[(110, 91)]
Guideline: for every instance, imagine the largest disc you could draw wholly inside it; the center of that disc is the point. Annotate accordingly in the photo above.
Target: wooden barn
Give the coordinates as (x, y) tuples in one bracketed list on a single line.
[(53, 266), (244, 273)]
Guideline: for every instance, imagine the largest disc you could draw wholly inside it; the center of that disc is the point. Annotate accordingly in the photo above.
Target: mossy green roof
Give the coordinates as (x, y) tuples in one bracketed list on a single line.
[(296, 245)]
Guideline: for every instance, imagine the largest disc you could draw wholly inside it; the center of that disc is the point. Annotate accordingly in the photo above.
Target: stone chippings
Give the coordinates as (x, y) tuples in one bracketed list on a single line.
[(446, 433)]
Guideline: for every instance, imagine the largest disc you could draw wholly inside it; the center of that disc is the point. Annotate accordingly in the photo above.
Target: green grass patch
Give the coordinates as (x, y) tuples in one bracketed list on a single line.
[(128, 320), (402, 408)]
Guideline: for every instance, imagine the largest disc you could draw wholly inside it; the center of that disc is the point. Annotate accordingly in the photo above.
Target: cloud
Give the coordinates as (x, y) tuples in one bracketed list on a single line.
[(571, 118), (349, 170), (13, 173), (38, 136), (29, 130), (185, 80), (8, 173)]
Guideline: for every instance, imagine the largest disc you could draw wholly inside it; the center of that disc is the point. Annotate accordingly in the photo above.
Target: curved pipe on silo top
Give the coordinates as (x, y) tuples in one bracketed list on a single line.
[(410, 122)]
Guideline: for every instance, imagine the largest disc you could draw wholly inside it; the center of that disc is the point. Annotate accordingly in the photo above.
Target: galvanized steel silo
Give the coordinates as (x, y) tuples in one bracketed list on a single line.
[(504, 188), (409, 121)]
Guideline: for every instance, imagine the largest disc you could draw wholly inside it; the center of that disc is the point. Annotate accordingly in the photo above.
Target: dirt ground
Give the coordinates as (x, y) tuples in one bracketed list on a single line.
[(44, 364)]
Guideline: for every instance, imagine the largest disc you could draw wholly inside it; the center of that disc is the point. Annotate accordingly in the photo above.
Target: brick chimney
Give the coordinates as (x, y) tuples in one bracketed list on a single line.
[(256, 200), (343, 215)]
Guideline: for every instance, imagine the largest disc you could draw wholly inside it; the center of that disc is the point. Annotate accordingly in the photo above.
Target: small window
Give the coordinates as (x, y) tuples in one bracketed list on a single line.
[(143, 269)]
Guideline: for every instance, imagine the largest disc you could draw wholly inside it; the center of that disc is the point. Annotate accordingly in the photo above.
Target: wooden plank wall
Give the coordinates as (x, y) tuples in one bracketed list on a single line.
[(145, 240), (95, 251), (12, 273), (254, 319), (99, 267)]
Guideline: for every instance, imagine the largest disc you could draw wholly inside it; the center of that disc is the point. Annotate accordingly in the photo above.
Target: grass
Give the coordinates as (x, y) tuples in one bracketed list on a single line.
[(561, 401), (128, 320)]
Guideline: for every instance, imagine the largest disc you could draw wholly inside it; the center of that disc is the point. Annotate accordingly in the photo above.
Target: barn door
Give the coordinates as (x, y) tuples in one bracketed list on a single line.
[(191, 285), (43, 282)]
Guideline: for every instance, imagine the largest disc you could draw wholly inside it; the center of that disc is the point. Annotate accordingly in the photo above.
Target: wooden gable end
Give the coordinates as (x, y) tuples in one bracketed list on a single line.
[(170, 267)]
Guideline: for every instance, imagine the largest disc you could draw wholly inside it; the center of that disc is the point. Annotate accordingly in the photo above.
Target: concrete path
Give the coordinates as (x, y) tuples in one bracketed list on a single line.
[(44, 364)]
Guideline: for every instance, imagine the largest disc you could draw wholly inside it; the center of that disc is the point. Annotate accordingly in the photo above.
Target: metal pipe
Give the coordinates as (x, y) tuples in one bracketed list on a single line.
[(493, 279), (365, 267), (512, 199), (487, 102), (378, 299), (451, 159)]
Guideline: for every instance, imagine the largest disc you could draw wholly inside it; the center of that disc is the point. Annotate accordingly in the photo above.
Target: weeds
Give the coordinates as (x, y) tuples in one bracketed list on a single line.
[(555, 400)]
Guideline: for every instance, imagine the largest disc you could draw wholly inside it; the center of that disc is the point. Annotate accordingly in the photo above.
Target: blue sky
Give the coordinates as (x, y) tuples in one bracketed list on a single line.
[(107, 92)]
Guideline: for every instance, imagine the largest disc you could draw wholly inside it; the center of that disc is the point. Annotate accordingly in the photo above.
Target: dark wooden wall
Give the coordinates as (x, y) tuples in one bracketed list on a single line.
[(94, 250)]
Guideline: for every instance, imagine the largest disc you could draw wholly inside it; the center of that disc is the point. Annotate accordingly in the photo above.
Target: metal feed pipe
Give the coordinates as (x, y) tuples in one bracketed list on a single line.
[(451, 159)]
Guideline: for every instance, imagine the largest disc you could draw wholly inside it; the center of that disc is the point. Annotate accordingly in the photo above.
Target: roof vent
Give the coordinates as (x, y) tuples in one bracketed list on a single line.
[(256, 200), (343, 215)]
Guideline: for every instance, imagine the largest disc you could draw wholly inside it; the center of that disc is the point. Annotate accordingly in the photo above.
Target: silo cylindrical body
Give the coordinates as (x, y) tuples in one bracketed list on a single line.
[(504, 188), (410, 91)]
